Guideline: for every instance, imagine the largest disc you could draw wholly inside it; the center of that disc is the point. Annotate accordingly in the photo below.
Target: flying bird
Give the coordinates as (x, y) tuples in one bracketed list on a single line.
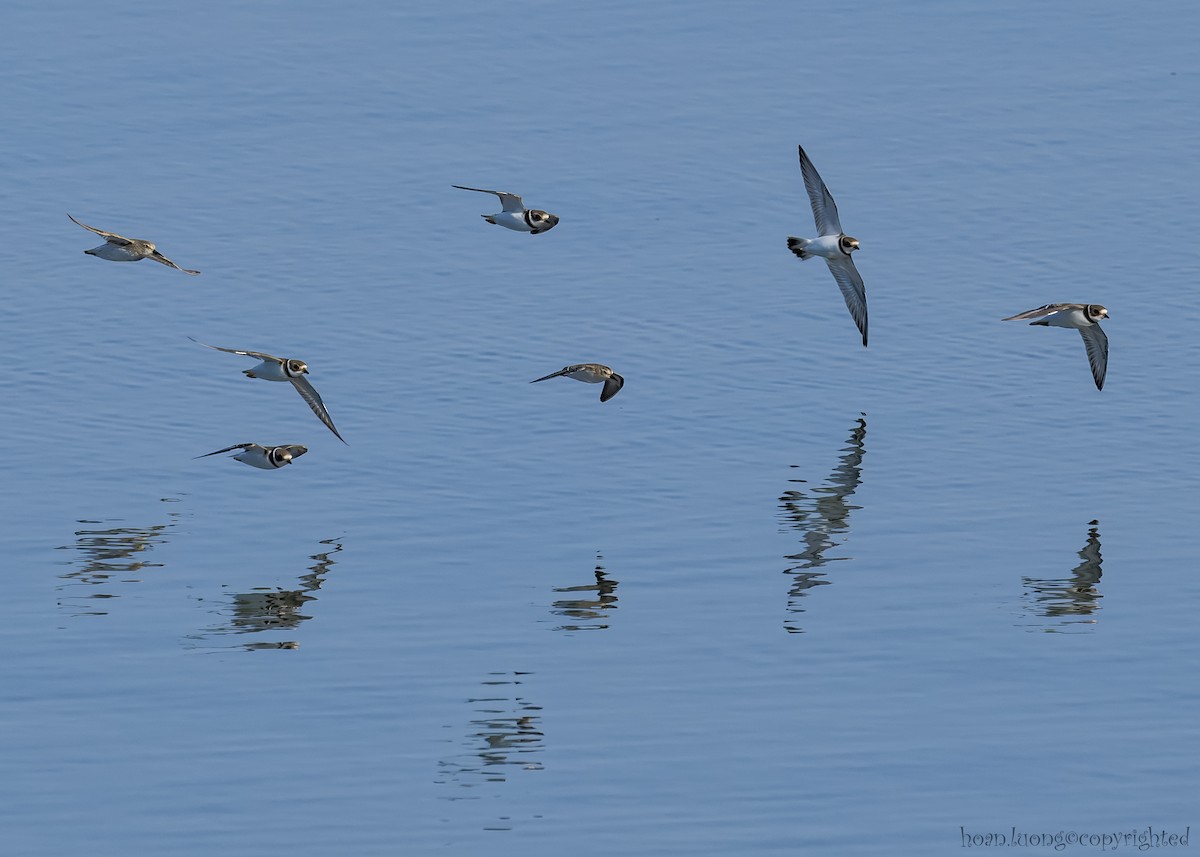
[(1082, 317), (515, 215), (263, 457), (591, 373), (832, 244), (283, 369), (118, 248)]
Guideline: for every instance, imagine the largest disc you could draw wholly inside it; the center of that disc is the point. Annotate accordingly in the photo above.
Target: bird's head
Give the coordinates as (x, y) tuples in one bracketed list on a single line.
[(542, 220)]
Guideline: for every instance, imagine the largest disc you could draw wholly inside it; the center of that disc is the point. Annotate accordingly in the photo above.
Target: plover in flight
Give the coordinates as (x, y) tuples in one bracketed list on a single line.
[(515, 215), (834, 245), (283, 369), (591, 373), (263, 457), (118, 248), (1082, 317)]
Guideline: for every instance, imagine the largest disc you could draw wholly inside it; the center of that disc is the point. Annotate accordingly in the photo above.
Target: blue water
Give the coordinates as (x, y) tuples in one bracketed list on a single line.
[(782, 595)]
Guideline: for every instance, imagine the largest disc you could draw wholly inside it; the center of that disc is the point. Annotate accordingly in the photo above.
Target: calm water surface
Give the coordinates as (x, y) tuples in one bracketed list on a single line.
[(782, 595)]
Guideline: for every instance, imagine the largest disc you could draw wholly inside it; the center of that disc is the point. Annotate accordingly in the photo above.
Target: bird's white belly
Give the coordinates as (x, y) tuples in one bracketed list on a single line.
[(511, 220), (827, 246), (587, 376), (255, 458), (113, 253), (268, 370), (1073, 319)]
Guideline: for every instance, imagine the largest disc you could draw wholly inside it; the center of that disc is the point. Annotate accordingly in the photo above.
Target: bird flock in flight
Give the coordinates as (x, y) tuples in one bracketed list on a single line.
[(831, 243)]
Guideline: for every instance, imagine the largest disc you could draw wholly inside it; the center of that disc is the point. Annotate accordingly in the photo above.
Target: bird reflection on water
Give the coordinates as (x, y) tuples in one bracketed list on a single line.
[(504, 736), (588, 613), (1073, 600), (277, 609), (110, 556), (821, 514)]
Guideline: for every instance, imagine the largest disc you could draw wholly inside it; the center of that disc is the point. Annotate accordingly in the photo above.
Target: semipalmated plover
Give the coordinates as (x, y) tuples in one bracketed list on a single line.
[(515, 215), (591, 373), (832, 244), (118, 248), (1082, 317), (283, 369), (263, 457)]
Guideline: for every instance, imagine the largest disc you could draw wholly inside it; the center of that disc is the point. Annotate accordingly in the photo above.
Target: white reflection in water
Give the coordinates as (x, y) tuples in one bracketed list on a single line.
[(106, 558), (504, 736), (1070, 601), (587, 608), (821, 515), (277, 609)]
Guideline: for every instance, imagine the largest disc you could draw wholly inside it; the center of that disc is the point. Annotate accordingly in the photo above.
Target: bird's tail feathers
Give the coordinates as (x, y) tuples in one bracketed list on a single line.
[(797, 245), (488, 218)]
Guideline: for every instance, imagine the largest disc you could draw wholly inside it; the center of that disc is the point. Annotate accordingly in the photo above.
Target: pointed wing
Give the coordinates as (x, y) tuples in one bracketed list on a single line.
[(1095, 341), (612, 386), (1048, 309), (231, 449), (311, 396), (853, 291), (510, 201), (110, 237), (557, 374), (159, 257), (256, 354), (824, 208)]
